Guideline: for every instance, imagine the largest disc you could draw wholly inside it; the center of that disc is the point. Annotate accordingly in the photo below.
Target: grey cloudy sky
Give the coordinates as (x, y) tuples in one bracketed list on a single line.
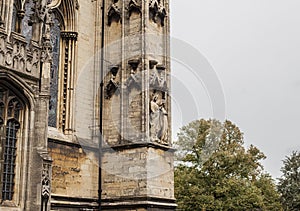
[(254, 48)]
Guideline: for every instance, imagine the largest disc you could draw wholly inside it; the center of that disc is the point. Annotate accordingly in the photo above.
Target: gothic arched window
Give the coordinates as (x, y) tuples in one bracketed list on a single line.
[(10, 115), (63, 40)]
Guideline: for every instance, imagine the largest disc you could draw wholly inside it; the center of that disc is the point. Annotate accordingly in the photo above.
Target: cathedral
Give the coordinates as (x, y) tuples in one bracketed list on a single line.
[(85, 106)]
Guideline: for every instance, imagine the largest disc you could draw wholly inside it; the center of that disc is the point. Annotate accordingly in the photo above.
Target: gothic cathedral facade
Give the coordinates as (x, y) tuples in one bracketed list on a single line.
[(85, 105)]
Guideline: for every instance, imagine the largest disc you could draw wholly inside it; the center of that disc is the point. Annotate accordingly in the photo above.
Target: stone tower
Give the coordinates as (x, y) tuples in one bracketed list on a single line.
[(137, 158), (72, 68)]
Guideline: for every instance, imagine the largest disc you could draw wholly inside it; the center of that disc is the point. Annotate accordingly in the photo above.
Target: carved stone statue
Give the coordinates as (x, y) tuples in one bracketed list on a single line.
[(158, 121)]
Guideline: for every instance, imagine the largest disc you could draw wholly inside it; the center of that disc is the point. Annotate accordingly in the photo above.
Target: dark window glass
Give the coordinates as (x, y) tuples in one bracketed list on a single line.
[(55, 42), (9, 158), (10, 111), (26, 29)]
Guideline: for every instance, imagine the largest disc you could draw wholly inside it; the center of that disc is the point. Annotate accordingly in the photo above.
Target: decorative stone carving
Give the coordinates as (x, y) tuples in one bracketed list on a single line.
[(46, 185), (39, 11), (46, 181), (21, 55), (8, 59), (161, 13), (157, 77), (158, 115), (159, 125), (41, 18), (112, 85), (153, 9), (157, 11), (114, 13), (134, 80), (133, 6)]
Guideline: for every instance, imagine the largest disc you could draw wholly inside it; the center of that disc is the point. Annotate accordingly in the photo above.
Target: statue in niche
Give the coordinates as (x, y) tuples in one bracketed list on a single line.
[(158, 120)]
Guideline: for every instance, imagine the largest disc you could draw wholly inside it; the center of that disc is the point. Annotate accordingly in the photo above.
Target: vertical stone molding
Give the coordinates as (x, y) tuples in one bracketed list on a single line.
[(66, 83)]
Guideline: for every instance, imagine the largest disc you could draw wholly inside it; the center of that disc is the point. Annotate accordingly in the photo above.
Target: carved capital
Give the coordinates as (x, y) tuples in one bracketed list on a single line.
[(67, 35)]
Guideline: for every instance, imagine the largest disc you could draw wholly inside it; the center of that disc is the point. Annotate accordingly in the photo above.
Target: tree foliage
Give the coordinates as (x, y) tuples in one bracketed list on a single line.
[(289, 183), (215, 172)]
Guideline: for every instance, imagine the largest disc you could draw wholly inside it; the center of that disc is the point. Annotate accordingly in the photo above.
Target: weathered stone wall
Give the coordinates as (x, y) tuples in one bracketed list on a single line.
[(138, 176), (74, 171), (87, 74)]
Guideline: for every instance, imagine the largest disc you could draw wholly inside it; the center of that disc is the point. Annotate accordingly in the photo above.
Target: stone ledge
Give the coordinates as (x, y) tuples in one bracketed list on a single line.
[(139, 202), (121, 147), (73, 202)]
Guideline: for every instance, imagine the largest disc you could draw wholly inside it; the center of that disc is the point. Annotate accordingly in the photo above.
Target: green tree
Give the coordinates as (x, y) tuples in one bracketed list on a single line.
[(215, 172), (289, 183)]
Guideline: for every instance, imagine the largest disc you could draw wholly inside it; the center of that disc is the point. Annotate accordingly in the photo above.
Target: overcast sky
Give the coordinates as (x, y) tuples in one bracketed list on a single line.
[(253, 46)]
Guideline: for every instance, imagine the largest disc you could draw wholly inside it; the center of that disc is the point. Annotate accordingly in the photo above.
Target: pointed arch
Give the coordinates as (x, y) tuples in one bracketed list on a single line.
[(63, 70), (21, 89), (69, 12), (16, 102)]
